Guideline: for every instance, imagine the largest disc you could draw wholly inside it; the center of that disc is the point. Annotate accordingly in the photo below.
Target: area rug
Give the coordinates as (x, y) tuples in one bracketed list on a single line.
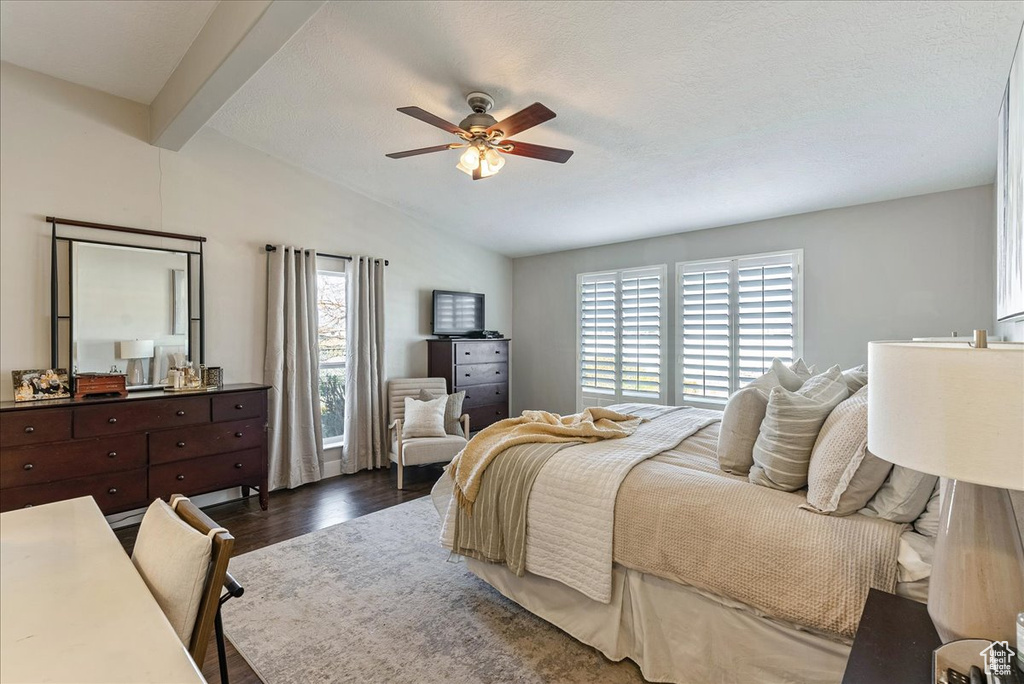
[(375, 599)]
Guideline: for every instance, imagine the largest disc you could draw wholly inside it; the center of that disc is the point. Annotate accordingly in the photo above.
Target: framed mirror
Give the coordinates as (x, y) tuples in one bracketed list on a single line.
[(126, 306)]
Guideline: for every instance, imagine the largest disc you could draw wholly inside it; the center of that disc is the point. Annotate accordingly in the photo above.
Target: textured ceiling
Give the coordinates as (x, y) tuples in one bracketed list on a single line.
[(126, 48), (682, 115)]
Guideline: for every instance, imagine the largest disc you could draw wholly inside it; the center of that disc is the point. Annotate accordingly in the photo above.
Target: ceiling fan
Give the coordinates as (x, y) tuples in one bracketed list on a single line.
[(484, 139)]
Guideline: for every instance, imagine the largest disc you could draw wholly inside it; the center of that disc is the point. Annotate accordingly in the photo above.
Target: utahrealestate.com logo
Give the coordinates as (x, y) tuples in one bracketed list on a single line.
[(998, 659)]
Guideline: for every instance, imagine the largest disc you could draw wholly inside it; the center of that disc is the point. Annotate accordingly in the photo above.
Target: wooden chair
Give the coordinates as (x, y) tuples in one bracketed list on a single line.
[(407, 451), (221, 545)]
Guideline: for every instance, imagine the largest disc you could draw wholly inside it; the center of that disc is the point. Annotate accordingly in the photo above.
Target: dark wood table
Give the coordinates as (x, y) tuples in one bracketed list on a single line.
[(894, 642)]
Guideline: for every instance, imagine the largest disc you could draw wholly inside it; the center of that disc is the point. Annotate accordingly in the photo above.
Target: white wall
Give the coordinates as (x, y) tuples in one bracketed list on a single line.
[(920, 266), (70, 151)]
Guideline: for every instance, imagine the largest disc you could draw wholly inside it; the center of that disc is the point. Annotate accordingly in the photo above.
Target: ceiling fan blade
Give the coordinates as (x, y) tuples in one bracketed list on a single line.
[(521, 120), (551, 154), (422, 150), (426, 117)]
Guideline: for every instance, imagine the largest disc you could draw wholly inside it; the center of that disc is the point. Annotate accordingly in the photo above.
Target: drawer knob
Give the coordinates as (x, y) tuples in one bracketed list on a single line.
[(467, 353), (27, 506), (112, 490), (29, 466), (238, 465), (112, 454), (238, 434), (180, 413), (497, 413), (497, 372), (180, 478), (467, 375), (239, 407), (29, 429), (111, 420), (497, 351), (181, 445)]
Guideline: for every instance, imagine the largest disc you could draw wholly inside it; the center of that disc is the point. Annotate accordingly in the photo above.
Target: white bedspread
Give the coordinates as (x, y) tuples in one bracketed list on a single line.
[(571, 515)]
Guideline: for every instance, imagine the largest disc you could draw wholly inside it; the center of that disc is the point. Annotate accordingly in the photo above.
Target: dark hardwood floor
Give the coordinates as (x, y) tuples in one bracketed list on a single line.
[(295, 512)]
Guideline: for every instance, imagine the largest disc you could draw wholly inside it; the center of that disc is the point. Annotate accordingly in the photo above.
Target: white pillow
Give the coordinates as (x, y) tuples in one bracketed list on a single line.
[(782, 452), (173, 560), (856, 377), (843, 475), (791, 377), (424, 418), (903, 497), (928, 522)]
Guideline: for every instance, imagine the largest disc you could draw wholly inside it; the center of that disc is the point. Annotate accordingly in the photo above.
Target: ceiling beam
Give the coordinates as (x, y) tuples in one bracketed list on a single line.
[(238, 38)]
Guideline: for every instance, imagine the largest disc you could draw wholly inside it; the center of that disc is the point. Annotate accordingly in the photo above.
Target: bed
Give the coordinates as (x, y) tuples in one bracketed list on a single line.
[(707, 580)]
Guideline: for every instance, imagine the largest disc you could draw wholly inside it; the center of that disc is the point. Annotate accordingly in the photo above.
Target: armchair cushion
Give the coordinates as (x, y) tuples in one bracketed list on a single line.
[(422, 450), (452, 410), (424, 418)]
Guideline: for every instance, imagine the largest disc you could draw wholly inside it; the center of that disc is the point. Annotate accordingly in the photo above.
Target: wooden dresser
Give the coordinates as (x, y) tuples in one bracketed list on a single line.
[(480, 367), (125, 452)]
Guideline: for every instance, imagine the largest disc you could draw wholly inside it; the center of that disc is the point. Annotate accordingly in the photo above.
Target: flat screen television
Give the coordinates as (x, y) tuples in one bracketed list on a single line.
[(457, 313)]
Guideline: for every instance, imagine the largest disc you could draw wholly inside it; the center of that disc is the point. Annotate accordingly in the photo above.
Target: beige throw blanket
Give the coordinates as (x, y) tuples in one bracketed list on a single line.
[(681, 518), (533, 427)]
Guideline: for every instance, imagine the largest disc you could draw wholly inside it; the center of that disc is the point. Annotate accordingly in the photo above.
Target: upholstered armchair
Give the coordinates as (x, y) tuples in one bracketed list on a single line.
[(416, 451)]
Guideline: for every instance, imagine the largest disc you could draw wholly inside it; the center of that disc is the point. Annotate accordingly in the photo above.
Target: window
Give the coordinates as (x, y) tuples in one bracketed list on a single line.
[(735, 316), (331, 345), (620, 338)]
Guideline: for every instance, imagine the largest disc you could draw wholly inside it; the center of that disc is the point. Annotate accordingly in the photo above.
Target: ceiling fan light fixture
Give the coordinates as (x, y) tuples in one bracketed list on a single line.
[(470, 159)]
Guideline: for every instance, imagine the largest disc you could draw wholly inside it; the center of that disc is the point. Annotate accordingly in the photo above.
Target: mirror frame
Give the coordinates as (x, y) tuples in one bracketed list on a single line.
[(62, 254)]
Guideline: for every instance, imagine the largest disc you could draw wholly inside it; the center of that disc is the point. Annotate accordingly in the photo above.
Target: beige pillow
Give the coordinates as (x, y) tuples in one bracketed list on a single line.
[(173, 560), (843, 475), (791, 377), (903, 497), (782, 452), (741, 424), (424, 418), (452, 411), (856, 378)]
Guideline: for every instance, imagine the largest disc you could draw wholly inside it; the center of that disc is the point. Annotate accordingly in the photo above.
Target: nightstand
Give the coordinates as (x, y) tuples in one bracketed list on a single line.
[(894, 642)]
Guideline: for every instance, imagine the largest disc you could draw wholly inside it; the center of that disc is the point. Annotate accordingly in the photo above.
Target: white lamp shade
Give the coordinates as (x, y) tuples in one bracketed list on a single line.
[(137, 349), (949, 409)]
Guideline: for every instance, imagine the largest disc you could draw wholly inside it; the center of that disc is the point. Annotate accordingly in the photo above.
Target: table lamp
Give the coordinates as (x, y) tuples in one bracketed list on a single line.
[(134, 351), (956, 410)]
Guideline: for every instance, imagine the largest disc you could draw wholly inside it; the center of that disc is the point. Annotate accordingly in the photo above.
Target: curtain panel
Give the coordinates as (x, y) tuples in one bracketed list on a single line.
[(366, 437), (291, 368)]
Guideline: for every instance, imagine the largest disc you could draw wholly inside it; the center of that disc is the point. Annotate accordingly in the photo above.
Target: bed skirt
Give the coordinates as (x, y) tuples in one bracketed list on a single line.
[(676, 633)]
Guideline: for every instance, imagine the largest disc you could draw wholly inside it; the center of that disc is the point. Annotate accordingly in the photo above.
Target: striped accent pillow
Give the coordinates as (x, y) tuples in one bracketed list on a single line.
[(452, 411), (782, 452)]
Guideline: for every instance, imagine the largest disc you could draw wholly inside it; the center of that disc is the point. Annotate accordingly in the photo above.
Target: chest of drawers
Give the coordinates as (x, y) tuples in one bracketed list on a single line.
[(480, 367), (125, 452)]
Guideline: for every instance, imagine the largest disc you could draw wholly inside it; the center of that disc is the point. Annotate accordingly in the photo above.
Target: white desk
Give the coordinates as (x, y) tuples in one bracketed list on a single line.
[(74, 609)]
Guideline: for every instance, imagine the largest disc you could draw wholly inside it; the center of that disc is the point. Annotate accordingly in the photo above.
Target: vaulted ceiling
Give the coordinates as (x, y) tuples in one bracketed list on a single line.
[(682, 115)]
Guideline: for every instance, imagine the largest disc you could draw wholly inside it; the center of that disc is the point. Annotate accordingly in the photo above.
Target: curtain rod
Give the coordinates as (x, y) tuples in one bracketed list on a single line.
[(272, 248)]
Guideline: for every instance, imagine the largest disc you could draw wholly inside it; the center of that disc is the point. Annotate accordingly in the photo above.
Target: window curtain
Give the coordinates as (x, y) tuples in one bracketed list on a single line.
[(366, 437), (291, 368)]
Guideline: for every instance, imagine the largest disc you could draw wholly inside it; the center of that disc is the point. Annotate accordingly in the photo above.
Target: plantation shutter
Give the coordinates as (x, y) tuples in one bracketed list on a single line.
[(640, 332), (598, 334), (766, 314), (705, 353)]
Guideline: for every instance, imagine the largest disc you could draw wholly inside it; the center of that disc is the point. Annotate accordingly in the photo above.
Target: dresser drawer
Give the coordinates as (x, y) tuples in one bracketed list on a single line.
[(238, 406), (481, 395), (140, 416), (482, 416), (67, 460), (113, 492), (200, 475), (167, 446), (22, 427), (480, 374), (480, 352)]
